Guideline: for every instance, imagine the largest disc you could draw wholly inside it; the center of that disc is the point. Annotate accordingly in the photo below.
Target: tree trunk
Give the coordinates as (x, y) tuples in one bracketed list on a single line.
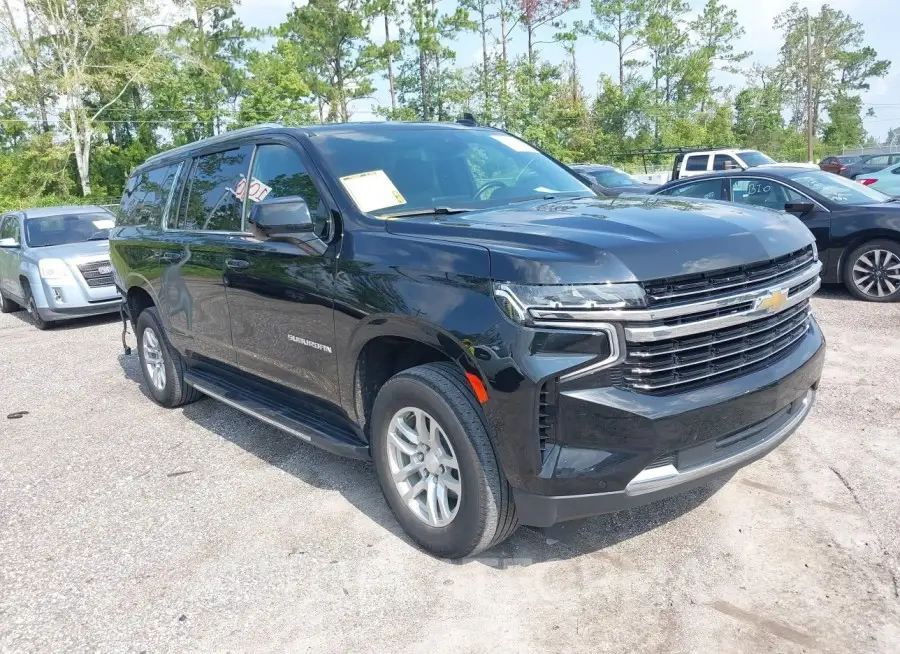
[(484, 55), (339, 87), (530, 45), (439, 99), (390, 66), (423, 76), (621, 44)]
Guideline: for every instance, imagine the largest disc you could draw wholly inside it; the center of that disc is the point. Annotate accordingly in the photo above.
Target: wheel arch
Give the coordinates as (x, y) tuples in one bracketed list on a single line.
[(862, 239), (384, 345)]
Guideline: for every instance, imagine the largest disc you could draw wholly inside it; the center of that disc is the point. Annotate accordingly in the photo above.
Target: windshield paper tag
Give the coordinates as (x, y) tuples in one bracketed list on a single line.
[(372, 190), (104, 224), (513, 143)]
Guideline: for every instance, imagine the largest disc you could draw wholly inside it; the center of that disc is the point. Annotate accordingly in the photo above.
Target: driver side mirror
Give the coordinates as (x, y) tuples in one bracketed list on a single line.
[(8, 243), (799, 208), (284, 217)]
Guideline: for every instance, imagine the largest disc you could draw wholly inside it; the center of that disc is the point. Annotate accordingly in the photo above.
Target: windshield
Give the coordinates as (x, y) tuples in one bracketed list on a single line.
[(839, 189), (753, 158), (393, 170), (613, 177), (63, 229)]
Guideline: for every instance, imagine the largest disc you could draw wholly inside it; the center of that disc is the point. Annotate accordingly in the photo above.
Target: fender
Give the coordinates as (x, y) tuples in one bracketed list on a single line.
[(835, 272)]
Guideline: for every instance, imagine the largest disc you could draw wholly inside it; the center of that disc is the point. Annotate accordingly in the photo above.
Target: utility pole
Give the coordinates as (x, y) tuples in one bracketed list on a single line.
[(809, 107)]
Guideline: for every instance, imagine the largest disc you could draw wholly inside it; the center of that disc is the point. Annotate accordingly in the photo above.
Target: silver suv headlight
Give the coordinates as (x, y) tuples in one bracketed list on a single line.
[(565, 302), (53, 269)]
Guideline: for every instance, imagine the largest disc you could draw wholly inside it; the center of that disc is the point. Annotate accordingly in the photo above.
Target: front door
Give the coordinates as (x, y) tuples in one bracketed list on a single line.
[(210, 220), (280, 292), (9, 258)]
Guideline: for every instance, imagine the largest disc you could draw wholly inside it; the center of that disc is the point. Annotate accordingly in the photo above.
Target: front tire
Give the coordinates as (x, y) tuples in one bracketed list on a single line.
[(872, 271), (161, 364), (436, 464), (31, 307)]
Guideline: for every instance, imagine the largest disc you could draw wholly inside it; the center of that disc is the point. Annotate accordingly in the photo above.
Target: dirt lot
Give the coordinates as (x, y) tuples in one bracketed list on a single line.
[(126, 527)]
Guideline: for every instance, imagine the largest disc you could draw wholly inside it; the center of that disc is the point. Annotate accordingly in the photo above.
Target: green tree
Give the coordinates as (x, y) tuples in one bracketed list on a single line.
[(621, 23), (717, 30), (845, 126)]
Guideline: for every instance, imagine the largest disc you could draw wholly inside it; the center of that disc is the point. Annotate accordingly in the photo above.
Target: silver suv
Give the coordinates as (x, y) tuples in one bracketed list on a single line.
[(55, 263)]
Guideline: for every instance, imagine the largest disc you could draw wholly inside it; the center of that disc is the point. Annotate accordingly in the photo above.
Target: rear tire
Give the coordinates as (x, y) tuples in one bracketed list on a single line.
[(7, 306), (874, 268), (161, 364), (483, 513)]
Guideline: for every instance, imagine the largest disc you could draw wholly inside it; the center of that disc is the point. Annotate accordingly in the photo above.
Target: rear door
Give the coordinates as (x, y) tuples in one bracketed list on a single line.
[(695, 164), (209, 222), (280, 293)]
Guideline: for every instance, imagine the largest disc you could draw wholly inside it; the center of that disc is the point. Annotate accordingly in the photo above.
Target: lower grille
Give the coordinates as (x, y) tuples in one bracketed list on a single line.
[(546, 416), (97, 273), (679, 364)]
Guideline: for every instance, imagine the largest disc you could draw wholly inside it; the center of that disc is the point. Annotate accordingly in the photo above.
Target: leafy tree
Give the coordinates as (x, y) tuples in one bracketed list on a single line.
[(845, 126), (536, 14), (717, 30), (621, 23)]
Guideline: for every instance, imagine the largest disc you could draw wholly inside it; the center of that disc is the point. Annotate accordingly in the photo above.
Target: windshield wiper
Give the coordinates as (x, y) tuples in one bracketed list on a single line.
[(434, 211)]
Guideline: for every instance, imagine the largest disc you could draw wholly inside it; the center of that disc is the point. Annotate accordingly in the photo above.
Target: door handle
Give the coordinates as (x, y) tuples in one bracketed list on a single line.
[(237, 264)]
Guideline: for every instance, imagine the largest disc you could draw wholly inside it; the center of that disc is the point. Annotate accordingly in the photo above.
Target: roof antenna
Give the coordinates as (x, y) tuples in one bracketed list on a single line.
[(468, 119)]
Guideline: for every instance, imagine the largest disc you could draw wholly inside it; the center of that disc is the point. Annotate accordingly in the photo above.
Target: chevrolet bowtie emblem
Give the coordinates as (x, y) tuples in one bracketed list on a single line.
[(773, 302)]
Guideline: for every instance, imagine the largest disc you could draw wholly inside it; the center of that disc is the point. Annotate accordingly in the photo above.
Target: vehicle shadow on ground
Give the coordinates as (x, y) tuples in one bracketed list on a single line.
[(72, 323), (356, 481), (833, 292)]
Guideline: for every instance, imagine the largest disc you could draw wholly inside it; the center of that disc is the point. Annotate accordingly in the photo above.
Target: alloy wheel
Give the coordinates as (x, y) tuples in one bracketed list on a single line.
[(153, 359), (424, 467), (876, 273)]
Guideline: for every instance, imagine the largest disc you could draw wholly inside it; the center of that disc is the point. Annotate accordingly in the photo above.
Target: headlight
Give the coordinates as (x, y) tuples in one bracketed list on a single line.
[(53, 269), (565, 302), (815, 251)]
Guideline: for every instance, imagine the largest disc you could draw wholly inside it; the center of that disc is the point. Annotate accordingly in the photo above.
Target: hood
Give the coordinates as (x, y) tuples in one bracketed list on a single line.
[(70, 250), (624, 239)]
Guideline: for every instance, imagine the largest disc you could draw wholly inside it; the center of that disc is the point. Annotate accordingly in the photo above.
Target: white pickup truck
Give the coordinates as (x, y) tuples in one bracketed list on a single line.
[(700, 162)]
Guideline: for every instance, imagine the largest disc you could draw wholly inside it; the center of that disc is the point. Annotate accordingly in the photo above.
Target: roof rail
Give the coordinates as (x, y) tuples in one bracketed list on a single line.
[(651, 151), (212, 140)]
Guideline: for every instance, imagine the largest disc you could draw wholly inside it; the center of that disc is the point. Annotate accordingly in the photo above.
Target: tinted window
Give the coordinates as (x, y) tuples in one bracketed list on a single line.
[(753, 158), (68, 228), (709, 189), (278, 171), (763, 193), (131, 197), (845, 160), (828, 160), (725, 162), (150, 197), (212, 193), (882, 160), (613, 178), (697, 162), (388, 170), (839, 190), (9, 227)]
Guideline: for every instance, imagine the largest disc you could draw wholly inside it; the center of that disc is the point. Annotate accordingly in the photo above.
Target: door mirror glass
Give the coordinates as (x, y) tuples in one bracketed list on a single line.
[(287, 216), (799, 208), (8, 243)]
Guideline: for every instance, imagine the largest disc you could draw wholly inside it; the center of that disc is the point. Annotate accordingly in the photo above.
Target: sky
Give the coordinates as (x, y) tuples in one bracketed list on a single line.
[(878, 18)]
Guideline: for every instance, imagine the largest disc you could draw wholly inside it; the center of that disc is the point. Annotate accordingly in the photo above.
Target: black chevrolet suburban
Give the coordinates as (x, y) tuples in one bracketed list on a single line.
[(506, 346)]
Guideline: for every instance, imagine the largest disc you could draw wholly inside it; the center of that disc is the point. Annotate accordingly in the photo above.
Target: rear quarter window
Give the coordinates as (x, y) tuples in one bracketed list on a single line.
[(146, 196), (697, 162)]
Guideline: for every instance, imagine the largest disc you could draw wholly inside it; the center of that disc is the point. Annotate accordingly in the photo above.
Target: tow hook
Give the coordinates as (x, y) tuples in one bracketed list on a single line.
[(124, 317)]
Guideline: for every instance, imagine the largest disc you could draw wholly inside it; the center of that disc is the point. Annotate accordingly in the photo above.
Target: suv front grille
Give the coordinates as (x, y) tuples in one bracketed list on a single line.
[(680, 364), (703, 286), (93, 276)]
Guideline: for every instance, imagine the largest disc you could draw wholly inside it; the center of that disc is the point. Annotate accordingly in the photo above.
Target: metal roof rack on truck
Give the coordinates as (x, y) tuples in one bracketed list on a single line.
[(212, 140)]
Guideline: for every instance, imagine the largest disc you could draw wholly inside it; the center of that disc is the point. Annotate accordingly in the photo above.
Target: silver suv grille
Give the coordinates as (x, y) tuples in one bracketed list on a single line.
[(703, 329), (97, 273)]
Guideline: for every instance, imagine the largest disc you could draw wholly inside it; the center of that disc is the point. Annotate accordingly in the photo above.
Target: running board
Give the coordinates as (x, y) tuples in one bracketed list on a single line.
[(293, 418)]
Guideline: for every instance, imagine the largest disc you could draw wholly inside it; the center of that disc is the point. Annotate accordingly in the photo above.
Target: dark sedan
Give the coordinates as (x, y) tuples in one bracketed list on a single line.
[(612, 181), (857, 228), (870, 163)]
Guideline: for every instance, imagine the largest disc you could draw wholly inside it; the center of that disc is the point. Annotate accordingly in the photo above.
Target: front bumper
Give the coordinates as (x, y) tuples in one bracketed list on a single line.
[(616, 449), (72, 296), (665, 480)]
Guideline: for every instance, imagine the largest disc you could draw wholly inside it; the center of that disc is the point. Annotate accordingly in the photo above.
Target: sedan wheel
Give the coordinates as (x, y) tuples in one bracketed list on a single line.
[(876, 273)]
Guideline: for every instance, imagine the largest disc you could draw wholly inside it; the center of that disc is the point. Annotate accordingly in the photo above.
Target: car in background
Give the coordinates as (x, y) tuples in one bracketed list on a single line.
[(837, 164), (54, 262), (887, 181), (870, 163), (690, 163), (611, 180), (857, 228)]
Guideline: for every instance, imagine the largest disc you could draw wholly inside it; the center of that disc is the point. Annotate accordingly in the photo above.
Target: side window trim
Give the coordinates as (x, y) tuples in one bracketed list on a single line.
[(165, 217), (245, 207)]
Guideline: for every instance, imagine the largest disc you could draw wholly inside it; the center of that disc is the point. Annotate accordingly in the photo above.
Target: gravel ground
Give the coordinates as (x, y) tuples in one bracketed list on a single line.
[(126, 527)]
